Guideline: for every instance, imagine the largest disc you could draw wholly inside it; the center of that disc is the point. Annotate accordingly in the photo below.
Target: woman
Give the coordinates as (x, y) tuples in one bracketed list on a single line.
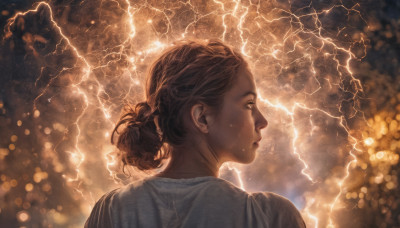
[(200, 111)]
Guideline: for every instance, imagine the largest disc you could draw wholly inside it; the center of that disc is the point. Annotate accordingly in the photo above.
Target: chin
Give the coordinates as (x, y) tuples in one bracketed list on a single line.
[(247, 159)]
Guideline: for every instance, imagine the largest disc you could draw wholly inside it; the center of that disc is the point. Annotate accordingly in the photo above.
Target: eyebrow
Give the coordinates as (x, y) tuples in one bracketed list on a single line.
[(249, 93)]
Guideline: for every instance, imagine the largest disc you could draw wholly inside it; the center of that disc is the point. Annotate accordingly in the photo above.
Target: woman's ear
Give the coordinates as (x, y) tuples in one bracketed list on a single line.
[(198, 114)]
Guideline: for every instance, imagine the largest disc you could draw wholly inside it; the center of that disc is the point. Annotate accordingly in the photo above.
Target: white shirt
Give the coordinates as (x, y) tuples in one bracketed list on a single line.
[(190, 203)]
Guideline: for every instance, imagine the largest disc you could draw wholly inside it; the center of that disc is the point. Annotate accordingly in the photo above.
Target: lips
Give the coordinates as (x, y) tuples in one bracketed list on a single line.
[(256, 143)]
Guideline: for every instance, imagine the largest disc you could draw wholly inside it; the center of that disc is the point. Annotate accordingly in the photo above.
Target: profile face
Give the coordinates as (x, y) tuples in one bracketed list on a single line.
[(235, 132)]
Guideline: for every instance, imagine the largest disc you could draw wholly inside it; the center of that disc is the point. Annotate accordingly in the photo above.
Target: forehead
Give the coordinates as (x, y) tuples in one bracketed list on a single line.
[(244, 83)]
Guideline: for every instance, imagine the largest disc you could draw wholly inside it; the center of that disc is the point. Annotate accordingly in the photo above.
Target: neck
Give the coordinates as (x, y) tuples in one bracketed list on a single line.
[(191, 161)]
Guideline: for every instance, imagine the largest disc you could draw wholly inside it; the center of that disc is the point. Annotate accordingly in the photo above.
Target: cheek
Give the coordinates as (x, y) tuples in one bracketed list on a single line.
[(234, 130), (242, 124)]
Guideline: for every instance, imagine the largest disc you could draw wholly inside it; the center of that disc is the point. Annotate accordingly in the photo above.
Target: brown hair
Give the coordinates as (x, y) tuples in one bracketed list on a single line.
[(187, 73)]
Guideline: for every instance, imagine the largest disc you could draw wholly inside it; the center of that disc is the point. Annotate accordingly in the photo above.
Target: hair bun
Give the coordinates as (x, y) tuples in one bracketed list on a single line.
[(139, 140)]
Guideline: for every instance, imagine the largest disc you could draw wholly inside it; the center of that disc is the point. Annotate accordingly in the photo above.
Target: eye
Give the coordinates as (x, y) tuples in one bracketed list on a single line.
[(250, 104)]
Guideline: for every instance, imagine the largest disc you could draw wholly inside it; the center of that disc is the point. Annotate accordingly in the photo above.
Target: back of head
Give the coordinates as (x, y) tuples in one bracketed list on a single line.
[(189, 72)]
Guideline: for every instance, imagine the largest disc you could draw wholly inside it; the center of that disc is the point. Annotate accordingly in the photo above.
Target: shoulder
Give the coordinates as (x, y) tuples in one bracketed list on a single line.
[(101, 212), (274, 200), (108, 206), (224, 184), (223, 189), (118, 194), (282, 211)]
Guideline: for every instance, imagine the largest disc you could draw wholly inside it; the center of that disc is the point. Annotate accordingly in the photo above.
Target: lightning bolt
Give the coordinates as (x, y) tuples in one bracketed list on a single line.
[(240, 23)]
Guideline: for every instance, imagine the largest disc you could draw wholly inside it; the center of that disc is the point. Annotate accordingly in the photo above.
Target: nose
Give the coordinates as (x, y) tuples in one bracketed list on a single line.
[(261, 122)]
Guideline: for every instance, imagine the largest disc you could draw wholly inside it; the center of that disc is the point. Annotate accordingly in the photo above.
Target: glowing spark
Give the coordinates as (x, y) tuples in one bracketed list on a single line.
[(369, 141)]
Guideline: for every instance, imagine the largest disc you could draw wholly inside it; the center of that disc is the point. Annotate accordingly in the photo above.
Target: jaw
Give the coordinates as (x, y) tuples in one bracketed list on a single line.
[(244, 156)]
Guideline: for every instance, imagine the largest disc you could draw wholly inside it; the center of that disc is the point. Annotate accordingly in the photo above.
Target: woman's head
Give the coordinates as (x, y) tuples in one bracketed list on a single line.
[(186, 86)]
